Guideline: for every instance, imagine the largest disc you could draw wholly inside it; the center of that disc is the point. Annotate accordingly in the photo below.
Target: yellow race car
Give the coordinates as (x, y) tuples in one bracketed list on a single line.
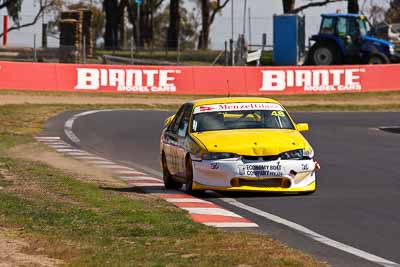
[(236, 144)]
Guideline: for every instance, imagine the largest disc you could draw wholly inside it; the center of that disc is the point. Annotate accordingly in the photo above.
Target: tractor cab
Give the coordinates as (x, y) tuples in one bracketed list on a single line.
[(344, 38)]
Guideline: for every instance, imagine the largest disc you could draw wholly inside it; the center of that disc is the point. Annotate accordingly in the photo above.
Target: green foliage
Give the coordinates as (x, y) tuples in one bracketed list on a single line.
[(13, 10), (188, 25), (393, 13), (98, 18)]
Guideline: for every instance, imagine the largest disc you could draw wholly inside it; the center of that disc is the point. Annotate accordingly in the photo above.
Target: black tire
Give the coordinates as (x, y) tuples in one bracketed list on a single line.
[(189, 179), (378, 59), (169, 183), (324, 53)]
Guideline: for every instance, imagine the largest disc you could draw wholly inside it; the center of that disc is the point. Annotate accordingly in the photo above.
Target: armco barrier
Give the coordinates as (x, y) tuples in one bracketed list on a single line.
[(198, 80)]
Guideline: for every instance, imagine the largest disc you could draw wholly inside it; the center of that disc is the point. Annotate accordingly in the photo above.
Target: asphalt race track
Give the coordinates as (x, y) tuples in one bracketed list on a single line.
[(358, 198)]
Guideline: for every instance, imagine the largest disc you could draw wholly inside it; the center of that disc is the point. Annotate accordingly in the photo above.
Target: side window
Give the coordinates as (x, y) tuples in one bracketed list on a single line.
[(327, 26), (341, 27), (173, 127), (184, 123)]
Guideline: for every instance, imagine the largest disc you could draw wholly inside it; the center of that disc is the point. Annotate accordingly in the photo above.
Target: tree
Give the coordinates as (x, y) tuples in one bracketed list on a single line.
[(174, 25), (352, 6), (14, 8), (188, 28), (97, 19), (289, 5), (393, 13), (148, 11), (208, 12), (110, 7)]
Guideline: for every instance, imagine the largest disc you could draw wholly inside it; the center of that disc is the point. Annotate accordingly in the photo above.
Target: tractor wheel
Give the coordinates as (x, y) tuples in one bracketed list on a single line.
[(324, 53), (169, 183), (378, 59)]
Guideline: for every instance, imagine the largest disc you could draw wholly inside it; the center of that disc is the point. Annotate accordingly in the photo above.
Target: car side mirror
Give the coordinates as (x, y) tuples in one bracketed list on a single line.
[(168, 120), (302, 127)]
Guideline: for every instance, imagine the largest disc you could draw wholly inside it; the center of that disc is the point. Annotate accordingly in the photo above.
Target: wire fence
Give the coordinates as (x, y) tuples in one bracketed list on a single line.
[(257, 30)]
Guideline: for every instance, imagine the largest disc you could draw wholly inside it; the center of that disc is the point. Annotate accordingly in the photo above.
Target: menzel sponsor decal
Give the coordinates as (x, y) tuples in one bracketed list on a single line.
[(127, 80), (236, 107), (312, 80)]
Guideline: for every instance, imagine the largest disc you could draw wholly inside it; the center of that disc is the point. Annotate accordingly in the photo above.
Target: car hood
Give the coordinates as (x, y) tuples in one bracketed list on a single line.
[(257, 142)]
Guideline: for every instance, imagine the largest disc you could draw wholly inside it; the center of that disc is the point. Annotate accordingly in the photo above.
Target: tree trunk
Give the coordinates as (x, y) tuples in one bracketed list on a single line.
[(174, 21), (205, 20), (352, 6), (121, 24), (288, 6), (112, 19)]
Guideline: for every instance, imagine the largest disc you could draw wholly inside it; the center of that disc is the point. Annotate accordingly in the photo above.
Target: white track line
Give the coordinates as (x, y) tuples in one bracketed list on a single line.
[(101, 162), (211, 211), (56, 142), (129, 172), (70, 122), (187, 200), (313, 235), (60, 146), (113, 166), (69, 150), (231, 224), (92, 157), (147, 184), (74, 154), (138, 178), (47, 138)]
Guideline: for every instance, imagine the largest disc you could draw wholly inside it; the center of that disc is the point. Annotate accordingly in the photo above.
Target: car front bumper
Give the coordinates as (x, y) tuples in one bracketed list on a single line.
[(395, 58), (239, 175)]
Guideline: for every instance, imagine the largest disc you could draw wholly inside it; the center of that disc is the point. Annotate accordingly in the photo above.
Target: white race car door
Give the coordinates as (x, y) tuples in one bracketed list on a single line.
[(171, 140), (182, 132)]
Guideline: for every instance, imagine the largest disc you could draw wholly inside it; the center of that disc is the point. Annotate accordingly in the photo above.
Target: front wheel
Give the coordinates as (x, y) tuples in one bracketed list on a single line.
[(189, 179), (169, 183)]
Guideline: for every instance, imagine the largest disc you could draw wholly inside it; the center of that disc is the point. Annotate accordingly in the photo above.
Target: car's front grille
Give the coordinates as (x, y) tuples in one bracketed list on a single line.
[(273, 182), (260, 158)]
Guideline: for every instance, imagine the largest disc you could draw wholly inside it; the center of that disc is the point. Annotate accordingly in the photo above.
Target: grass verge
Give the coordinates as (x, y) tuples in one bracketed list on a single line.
[(373, 101), (84, 224)]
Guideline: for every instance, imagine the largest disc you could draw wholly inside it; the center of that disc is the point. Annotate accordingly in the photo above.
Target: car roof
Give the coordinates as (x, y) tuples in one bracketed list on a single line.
[(352, 15), (222, 100)]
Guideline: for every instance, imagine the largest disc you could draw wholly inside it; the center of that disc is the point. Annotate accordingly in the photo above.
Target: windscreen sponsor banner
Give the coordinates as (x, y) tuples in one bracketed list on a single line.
[(198, 80), (236, 107)]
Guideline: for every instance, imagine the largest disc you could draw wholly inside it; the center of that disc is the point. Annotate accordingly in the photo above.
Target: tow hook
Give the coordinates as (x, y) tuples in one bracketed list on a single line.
[(317, 166)]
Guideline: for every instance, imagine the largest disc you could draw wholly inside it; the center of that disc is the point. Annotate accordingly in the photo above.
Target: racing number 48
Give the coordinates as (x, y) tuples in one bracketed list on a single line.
[(278, 113)]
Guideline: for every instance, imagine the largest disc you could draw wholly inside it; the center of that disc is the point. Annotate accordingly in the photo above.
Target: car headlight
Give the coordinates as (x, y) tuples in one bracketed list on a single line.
[(392, 50), (221, 155), (308, 153), (293, 154), (298, 154)]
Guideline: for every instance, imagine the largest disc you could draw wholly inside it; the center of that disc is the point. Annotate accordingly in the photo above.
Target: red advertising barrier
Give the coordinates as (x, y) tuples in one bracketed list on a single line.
[(198, 80)]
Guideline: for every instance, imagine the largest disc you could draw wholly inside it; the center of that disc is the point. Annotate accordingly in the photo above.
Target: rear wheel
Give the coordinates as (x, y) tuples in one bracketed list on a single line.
[(169, 183), (325, 53), (378, 59)]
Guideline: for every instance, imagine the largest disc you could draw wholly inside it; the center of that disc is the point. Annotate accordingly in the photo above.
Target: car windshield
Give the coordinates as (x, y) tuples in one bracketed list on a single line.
[(240, 116)]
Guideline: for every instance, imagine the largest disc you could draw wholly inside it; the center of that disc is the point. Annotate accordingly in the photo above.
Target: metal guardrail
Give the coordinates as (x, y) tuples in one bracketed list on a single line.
[(116, 60)]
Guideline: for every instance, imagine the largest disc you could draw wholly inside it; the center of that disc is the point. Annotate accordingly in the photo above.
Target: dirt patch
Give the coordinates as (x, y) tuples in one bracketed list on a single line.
[(6, 99), (12, 252), (82, 99)]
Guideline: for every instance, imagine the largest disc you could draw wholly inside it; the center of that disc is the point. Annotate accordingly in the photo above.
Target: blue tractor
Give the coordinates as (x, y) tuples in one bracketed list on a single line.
[(344, 39)]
